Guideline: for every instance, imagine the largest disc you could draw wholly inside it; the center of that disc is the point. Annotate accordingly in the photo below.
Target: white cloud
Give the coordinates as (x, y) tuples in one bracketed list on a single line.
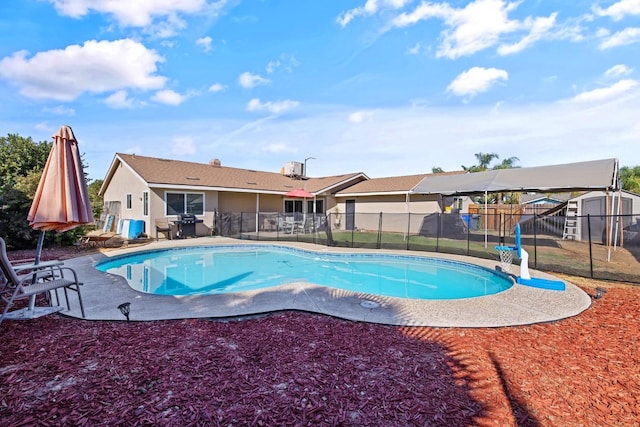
[(217, 87), (627, 36), (43, 127), (476, 80), (133, 13), (477, 26), (60, 110), (617, 89), (360, 116), (169, 27), (540, 27), (94, 67), (273, 107), (286, 62), (248, 80), (271, 66), (279, 148), (183, 146), (205, 43), (618, 70), (168, 97), (371, 7), (415, 49), (619, 10), (119, 100)]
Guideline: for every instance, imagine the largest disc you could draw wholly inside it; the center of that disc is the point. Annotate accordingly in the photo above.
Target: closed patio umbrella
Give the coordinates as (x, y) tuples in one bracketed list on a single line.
[(61, 201)]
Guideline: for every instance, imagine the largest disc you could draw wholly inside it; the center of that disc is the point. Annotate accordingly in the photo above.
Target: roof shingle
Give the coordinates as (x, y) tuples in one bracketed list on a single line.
[(177, 172), (390, 184)]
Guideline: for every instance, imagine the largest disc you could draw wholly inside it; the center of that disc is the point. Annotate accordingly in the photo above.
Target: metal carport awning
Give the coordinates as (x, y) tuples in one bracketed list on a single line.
[(582, 176)]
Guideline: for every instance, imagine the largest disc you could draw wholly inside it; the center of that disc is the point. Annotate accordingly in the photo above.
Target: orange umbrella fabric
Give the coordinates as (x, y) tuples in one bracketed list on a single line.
[(61, 201), (299, 192)]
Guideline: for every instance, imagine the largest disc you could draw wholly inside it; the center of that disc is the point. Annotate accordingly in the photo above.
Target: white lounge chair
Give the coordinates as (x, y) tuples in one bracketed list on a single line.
[(37, 279)]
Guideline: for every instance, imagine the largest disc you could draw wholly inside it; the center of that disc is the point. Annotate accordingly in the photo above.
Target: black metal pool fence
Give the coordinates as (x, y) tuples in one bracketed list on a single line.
[(595, 246)]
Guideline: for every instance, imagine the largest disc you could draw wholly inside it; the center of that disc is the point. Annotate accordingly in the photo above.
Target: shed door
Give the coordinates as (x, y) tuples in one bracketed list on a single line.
[(596, 207)]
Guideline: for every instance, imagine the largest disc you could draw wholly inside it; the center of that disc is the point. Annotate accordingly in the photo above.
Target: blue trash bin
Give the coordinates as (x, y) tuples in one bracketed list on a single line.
[(466, 218), (136, 228)]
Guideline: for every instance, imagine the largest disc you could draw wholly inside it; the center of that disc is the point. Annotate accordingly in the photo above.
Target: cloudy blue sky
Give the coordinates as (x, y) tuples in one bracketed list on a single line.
[(385, 87)]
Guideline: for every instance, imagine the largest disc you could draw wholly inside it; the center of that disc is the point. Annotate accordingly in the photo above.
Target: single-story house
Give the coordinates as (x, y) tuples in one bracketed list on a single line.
[(149, 189)]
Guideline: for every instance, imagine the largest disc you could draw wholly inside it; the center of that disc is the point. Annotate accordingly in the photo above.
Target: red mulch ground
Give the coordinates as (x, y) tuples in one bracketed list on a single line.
[(302, 369)]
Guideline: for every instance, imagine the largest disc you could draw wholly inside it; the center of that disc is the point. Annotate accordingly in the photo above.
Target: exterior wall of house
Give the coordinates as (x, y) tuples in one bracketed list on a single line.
[(122, 183), (157, 210), (394, 208), (271, 203), (238, 202)]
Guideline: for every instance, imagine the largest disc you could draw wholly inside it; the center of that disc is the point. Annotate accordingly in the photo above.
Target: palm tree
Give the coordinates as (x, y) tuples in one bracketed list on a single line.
[(484, 159), (508, 163)]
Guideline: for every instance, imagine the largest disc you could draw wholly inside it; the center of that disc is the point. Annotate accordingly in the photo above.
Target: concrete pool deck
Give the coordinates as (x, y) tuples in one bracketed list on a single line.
[(519, 305)]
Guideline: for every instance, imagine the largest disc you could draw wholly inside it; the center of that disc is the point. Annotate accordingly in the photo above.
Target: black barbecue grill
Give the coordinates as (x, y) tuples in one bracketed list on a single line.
[(187, 225)]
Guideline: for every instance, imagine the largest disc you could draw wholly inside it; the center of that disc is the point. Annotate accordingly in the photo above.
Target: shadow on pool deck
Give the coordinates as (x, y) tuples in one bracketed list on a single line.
[(102, 293)]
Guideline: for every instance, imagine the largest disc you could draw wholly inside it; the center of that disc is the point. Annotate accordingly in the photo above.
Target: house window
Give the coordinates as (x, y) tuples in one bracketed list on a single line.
[(319, 206), (129, 201), (457, 203), (145, 203), (178, 203), (291, 206)]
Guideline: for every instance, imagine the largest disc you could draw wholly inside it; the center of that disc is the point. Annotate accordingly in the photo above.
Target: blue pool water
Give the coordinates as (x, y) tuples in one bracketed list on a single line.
[(223, 269)]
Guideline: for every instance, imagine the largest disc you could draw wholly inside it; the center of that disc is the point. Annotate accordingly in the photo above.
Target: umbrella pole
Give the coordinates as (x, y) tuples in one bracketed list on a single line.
[(32, 298), (39, 247)]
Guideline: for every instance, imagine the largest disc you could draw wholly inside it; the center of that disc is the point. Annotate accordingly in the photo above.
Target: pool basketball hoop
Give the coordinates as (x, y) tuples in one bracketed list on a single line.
[(506, 257)]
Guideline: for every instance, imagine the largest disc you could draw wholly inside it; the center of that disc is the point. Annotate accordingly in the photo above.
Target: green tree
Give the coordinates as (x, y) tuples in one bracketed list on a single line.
[(509, 163), (437, 170), (96, 199), (630, 178), (484, 160), (19, 156), (484, 163), (21, 163)]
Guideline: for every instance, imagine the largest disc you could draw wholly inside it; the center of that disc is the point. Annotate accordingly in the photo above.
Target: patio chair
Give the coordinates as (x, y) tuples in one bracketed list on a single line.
[(284, 225), (309, 225), (37, 279), (290, 224), (163, 226)]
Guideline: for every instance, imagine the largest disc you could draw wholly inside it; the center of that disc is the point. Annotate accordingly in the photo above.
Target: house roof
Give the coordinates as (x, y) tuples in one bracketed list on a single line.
[(388, 185), (550, 197), (166, 172), (582, 176)]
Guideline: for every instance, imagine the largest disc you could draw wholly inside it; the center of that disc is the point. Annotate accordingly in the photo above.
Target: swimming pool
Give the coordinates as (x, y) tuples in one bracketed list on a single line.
[(226, 269)]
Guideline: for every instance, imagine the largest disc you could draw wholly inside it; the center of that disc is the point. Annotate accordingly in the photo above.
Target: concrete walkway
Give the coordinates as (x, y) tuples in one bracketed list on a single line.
[(519, 305)]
